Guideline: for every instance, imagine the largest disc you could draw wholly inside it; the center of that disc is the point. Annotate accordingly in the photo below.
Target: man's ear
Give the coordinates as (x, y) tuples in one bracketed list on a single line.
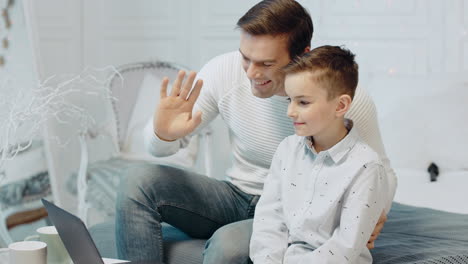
[(344, 103)]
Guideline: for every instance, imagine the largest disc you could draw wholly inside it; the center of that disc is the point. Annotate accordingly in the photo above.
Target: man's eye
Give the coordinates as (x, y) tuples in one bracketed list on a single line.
[(267, 64), (304, 102), (288, 99)]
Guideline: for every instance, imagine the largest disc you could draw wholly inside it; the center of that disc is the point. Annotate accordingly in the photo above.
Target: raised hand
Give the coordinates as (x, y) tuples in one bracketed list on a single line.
[(173, 118)]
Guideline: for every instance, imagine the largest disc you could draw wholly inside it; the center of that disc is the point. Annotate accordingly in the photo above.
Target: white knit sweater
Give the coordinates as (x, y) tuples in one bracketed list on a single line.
[(256, 125)]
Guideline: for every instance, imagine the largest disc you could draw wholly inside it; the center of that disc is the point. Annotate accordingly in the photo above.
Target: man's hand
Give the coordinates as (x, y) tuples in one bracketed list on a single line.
[(377, 229), (173, 117)]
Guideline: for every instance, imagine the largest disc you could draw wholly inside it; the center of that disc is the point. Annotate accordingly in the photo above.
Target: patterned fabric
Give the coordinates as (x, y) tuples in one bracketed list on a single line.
[(421, 235), (25, 190), (103, 181), (411, 235)]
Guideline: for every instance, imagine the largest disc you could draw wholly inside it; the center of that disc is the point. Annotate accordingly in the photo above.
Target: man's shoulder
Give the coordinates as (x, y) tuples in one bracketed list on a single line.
[(232, 55), (226, 60), (291, 142), (362, 107), (225, 68)]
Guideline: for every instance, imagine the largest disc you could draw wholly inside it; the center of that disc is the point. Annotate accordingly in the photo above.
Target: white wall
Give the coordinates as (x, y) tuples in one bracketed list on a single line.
[(396, 41)]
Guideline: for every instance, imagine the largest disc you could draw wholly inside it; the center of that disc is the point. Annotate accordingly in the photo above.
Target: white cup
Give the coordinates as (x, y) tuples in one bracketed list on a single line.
[(30, 252), (56, 251)]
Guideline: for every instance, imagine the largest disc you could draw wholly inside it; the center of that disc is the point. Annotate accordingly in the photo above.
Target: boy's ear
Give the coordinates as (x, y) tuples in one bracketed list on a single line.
[(344, 103)]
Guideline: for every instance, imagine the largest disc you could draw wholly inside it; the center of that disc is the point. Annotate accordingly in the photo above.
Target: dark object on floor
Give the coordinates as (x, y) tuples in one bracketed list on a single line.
[(433, 171)]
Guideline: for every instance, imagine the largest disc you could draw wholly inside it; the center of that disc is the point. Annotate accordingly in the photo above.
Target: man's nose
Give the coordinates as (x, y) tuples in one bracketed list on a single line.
[(253, 71)]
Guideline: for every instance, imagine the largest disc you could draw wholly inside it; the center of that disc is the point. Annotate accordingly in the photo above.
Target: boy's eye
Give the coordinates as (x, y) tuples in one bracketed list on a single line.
[(304, 102), (288, 99), (267, 64)]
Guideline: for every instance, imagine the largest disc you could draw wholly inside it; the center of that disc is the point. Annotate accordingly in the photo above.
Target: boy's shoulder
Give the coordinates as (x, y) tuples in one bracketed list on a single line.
[(290, 145), (292, 141)]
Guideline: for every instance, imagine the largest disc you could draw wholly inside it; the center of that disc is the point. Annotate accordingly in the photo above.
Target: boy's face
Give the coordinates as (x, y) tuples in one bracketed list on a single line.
[(262, 58), (313, 114)]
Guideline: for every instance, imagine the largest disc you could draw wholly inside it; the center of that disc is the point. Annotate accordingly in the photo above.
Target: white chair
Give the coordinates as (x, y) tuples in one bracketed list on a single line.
[(135, 89)]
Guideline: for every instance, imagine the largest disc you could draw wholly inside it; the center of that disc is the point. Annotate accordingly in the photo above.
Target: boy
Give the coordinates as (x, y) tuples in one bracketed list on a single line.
[(326, 187)]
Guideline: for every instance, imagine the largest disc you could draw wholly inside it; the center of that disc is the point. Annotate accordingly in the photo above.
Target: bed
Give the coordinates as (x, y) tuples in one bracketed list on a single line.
[(425, 225), (428, 222), (411, 235)]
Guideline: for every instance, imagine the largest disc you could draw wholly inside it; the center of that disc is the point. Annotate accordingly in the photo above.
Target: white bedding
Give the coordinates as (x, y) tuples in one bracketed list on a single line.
[(448, 193)]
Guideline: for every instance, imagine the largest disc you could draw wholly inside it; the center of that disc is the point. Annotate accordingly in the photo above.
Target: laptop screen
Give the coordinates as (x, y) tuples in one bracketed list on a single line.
[(74, 235)]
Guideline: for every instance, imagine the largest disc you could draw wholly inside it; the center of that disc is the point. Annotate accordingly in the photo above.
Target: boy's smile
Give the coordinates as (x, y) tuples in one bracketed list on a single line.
[(312, 112)]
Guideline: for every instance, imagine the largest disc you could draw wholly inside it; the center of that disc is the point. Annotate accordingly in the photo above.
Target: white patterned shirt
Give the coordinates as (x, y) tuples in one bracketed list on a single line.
[(319, 207)]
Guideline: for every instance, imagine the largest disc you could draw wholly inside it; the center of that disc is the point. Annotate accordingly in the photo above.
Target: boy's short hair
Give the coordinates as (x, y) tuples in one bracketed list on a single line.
[(332, 66), (280, 17)]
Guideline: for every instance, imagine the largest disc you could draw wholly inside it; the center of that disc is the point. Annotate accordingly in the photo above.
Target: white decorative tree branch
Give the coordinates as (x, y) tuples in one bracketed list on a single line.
[(24, 112)]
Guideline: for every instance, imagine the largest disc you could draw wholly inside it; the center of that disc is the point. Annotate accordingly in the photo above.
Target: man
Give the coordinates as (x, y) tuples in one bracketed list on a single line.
[(246, 88)]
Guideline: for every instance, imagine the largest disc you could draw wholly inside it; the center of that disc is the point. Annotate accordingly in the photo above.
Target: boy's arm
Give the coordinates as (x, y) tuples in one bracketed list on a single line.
[(362, 206), (270, 234)]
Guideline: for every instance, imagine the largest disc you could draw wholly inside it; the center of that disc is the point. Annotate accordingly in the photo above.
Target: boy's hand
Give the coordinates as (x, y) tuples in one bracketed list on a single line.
[(173, 118), (377, 229)]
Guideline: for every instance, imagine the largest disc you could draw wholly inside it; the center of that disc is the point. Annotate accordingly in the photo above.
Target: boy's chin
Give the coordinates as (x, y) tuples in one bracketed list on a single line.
[(302, 134)]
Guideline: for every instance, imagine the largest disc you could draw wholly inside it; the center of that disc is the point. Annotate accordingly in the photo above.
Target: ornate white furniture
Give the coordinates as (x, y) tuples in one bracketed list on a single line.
[(135, 93)]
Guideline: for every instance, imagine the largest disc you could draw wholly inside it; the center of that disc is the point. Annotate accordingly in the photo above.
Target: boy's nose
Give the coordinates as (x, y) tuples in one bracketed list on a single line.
[(291, 111)]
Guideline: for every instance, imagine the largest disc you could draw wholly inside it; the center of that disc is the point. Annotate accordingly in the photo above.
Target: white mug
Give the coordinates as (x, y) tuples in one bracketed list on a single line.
[(56, 251), (31, 252)]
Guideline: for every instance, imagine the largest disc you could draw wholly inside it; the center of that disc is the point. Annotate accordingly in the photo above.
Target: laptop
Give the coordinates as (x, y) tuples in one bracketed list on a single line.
[(76, 238)]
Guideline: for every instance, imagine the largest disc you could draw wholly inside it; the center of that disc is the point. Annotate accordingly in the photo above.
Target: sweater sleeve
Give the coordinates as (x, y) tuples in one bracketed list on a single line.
[(364, 115), (216, 80)]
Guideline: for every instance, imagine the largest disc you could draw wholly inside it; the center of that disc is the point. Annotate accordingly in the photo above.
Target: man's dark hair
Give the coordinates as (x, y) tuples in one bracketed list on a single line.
[(280, 17), (334, 67)]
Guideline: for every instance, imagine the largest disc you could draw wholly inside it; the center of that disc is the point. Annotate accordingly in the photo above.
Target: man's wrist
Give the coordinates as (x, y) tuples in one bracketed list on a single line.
[(163, 139)]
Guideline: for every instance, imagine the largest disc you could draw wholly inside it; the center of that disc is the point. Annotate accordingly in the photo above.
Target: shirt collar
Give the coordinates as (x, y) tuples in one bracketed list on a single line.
[(340, 149)]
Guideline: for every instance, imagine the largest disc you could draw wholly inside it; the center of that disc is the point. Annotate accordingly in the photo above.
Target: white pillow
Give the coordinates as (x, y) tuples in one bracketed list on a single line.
[(147, 100), (424, 121)]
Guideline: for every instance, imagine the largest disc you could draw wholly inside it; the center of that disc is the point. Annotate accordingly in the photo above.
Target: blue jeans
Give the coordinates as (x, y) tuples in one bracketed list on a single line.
[(200, 206)]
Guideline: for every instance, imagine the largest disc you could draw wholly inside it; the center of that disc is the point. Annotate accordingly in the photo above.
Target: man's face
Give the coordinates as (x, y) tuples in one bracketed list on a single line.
[(263, 57), (310, 108)]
